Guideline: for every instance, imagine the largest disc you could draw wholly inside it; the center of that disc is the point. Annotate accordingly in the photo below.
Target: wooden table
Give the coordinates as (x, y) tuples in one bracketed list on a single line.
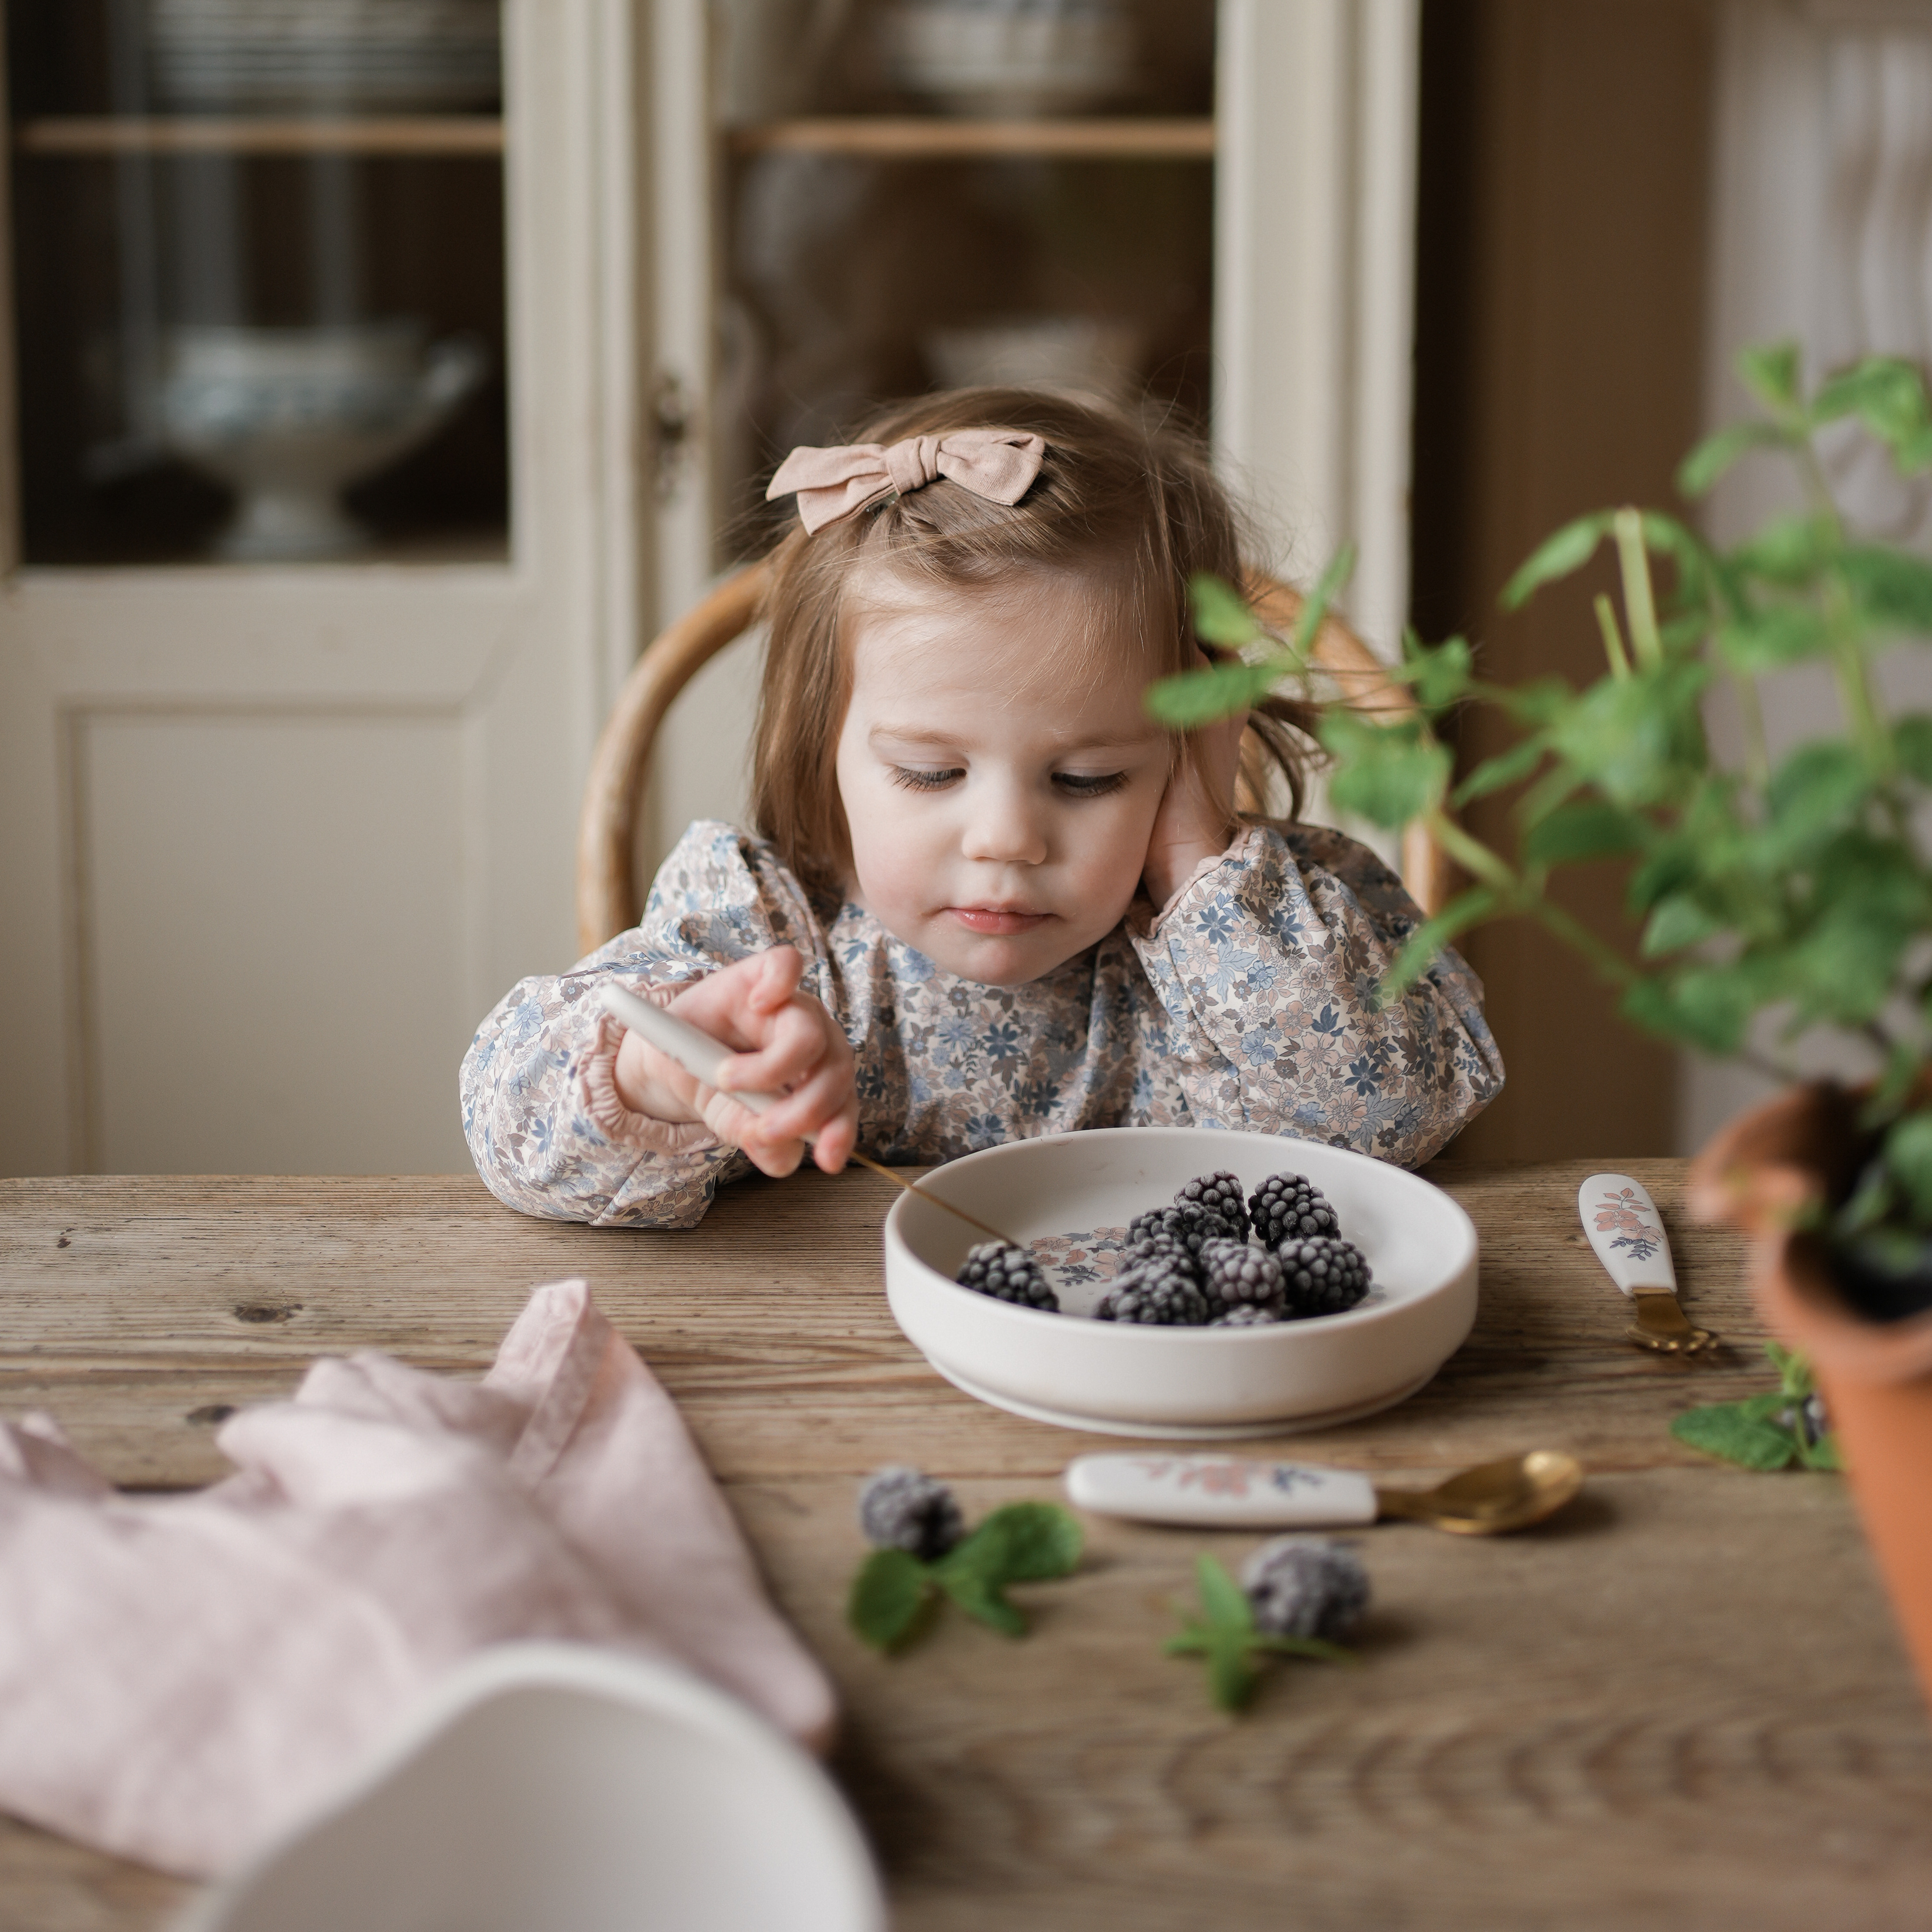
[(1680, 1704)]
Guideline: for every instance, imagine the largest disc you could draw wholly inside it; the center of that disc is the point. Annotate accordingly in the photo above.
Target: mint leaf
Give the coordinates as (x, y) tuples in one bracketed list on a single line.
[(1231, 1683), (1196, 697), (1221, 613), (889, 1596), (1716, 453), (1224, 1600), (1769, 369), (1569, 549), (1025, 1542), (982, 1598), (1725, 1430)]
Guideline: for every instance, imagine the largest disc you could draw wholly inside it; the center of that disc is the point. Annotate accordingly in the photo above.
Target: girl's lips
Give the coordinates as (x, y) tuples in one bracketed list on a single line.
[(998, 920)]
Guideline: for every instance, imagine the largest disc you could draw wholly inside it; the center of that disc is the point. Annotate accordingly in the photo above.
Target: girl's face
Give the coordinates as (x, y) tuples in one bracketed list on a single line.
[(999, 777)]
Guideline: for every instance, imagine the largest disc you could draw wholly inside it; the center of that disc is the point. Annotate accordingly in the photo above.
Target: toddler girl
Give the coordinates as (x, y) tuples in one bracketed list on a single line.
[(987, 896)]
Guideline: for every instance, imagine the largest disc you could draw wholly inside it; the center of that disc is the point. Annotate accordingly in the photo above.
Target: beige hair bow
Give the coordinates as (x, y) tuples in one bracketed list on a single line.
[(998, 464)]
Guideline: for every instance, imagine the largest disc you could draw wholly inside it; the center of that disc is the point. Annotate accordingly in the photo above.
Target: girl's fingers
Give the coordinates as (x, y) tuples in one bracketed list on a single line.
[(809, 1107), (780, 969), (838, 1137), (796, 1044), (745, 1129)]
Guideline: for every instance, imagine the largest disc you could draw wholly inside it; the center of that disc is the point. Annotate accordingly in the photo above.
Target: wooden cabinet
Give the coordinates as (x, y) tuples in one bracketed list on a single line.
[(276, 826)]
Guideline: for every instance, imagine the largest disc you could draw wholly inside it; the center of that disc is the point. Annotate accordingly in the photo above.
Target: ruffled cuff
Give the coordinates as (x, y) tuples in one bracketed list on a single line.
[(1146, 921), (623, 1125)]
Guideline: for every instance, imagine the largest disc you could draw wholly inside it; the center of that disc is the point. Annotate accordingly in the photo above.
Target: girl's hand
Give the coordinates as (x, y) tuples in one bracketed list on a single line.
[(1197, 811), (784, 1042)]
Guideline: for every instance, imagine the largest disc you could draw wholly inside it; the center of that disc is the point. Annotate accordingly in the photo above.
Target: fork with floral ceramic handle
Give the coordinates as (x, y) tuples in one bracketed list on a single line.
[(1626, 1232)]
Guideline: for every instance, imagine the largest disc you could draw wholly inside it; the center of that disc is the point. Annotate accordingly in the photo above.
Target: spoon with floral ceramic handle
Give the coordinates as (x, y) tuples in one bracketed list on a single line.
[(1225, 1493), (700, 1056), (1626, 1232)]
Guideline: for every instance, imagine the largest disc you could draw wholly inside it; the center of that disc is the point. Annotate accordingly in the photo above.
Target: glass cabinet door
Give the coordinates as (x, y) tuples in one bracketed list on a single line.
[(926, 194), (258, 280)]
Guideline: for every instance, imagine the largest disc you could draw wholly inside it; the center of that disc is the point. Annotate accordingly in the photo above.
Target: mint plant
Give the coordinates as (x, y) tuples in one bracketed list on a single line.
[(1797, 886)]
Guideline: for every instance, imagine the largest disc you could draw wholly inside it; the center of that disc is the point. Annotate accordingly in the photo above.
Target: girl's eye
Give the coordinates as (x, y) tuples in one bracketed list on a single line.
[(1083, 784), (919, 781)]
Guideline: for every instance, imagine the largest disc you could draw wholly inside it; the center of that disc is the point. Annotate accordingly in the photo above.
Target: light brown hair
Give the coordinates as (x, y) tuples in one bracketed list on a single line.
[(1136, 509)]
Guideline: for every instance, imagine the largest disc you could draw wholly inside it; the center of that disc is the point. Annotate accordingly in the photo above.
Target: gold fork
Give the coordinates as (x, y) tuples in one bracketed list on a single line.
[(1626, 1233), (1663, 1325)]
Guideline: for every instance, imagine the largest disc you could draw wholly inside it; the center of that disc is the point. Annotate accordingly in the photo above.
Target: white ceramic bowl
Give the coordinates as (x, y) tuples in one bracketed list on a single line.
[(556, 1787), (1200, 1383)]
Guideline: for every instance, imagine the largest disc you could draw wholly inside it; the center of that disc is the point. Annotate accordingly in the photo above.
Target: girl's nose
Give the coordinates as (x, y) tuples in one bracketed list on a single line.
[(1006, 828)]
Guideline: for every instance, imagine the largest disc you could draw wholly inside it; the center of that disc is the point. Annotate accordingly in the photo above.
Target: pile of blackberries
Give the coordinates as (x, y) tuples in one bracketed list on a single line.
[(1209, 1260)]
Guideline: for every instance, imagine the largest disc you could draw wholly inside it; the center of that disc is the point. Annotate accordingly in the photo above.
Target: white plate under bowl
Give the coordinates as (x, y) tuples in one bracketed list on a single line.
[(575, 1789), (1120, 1379)]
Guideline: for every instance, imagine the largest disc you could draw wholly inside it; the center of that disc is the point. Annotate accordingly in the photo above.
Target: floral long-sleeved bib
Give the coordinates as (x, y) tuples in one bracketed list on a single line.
[(1248, 1002)]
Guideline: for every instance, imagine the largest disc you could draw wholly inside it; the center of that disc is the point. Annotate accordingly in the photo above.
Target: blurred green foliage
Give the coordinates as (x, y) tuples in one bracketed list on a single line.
[(1797, 886)]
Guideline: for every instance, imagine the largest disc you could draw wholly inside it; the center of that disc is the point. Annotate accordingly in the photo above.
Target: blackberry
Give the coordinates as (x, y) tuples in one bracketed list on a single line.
[(1161, 1246), (1306, 1586), (1007, 1274), (1154, 1292), (1247, 1316), (1286, 1205), (901, 1508), (1187, 1224), (1807, 1420), (1220, 1194), (1234, 1273), (1321, 1275)]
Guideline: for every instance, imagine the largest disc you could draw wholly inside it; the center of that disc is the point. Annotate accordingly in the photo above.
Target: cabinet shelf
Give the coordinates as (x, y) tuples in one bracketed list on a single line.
[(130, 134), (910, 137)]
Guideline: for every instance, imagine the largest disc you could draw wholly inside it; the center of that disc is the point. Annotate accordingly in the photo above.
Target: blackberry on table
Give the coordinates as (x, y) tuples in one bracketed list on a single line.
[(1233, 1272), (1306, 1586), (1321, 1275), (1218, 1193), (1807, 1420), (1287, 1205), (1187, 1224), (1247, 1315), (903, 1508), (1154, 1293), (1007, 1274)]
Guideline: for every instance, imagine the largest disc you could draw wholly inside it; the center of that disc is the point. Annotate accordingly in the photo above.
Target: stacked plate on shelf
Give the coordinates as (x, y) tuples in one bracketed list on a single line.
[(367, 56)]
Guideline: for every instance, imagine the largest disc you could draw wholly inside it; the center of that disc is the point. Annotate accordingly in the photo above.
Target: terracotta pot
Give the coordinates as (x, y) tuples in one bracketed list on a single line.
[(1762, 1172)]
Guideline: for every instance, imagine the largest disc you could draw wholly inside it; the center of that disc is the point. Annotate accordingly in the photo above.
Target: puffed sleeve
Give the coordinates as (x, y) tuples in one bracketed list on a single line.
[(546, 1126), (1266, 964)]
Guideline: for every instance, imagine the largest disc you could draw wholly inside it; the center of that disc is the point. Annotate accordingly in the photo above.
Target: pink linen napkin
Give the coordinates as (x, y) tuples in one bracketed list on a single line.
[(182, 1675)]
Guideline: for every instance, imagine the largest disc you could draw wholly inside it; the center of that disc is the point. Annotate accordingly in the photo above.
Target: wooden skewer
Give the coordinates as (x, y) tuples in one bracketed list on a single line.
[(700, 1056)]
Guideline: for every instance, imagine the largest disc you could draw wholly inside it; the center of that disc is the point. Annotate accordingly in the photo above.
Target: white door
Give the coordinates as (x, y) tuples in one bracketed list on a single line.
[(274, 836)]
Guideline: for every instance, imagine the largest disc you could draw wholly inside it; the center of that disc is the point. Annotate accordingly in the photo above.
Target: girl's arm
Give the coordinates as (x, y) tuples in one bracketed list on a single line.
[(1266, 961), (551, 1129)]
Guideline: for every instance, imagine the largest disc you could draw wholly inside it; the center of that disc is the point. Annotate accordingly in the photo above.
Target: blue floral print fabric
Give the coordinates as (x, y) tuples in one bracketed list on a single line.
[(1248, 1001)]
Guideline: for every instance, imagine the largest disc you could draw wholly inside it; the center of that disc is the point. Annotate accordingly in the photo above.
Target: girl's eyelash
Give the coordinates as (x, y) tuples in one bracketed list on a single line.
[(1080, 785)]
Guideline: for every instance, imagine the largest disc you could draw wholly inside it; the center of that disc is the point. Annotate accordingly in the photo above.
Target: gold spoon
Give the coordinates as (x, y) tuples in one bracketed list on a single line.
[(700, 1056), (1511, 1493), (1225, 1493)]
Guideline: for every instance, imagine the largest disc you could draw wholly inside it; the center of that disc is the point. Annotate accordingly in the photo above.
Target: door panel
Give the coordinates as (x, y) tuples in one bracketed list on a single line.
[(270, 932)]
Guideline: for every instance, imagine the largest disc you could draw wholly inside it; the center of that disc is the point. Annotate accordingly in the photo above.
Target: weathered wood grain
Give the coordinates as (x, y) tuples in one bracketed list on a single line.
[(1680, 1704)]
